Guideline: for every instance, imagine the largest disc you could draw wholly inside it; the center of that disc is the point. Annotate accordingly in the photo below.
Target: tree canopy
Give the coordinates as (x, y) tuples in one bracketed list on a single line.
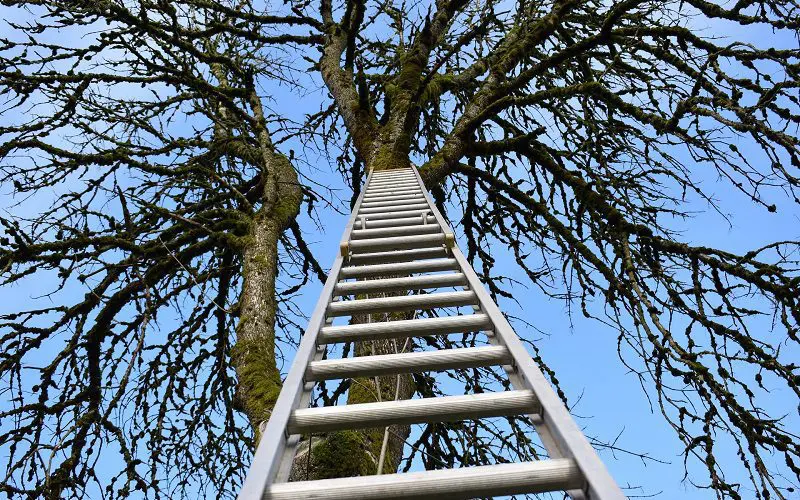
[(173, 198)]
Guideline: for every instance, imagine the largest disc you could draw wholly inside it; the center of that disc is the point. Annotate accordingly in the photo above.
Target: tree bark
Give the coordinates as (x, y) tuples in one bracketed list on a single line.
[(253, 355)]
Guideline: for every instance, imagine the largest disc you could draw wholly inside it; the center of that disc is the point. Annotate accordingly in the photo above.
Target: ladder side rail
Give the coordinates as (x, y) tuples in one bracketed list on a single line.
[(600, 484), (518, 383), (550, 443), (293, 441), (552, 446), (272, 445)]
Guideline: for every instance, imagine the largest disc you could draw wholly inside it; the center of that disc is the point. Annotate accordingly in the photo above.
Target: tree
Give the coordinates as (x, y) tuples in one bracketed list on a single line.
[(568, 132)]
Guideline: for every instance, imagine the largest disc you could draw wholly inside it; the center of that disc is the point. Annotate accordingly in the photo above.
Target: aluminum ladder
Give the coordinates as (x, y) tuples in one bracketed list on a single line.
[(397, 240)]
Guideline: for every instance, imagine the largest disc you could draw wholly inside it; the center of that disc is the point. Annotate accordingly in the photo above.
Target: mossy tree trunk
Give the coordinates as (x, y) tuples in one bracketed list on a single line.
[(381, 145), (259, 380)]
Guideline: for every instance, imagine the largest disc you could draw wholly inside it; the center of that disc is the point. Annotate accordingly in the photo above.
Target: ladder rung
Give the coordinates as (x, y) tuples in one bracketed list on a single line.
[(422, 266), (406, 200), (404, 328), (400, 284), (360, 234), (398, 173), (392, 186), (391, 197), (394, 182), (393, 178), (395, 196), (402, 303), (395, 215), (412, 411), (397, 242), (397, 180), (408, 362), (373, 193), (398, 256), (405, 221), (397, 208), (393, 172), (481, 481)]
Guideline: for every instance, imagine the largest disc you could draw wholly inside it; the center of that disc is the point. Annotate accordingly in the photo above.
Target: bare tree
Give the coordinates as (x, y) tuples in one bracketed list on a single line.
[(569, 132), (172, 196)]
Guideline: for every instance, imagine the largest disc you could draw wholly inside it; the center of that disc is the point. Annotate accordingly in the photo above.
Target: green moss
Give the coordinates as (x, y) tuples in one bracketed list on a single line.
[(391, 90), (289, 196), (435, 88), (389, 158), (342, 454), (253, 356), (258, 375), (261, 260)]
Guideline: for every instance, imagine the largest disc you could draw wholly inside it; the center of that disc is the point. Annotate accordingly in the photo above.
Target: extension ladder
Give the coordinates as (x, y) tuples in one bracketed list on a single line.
[(396, 241)]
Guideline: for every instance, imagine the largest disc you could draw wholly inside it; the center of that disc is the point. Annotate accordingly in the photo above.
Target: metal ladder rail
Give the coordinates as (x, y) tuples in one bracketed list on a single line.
[(433, 409)]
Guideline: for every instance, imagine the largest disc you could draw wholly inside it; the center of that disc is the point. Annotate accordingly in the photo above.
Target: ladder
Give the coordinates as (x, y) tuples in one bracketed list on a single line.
[(396, 241)]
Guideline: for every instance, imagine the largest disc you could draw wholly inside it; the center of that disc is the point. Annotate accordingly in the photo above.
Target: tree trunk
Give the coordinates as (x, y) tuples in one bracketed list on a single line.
[(253, 355)]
